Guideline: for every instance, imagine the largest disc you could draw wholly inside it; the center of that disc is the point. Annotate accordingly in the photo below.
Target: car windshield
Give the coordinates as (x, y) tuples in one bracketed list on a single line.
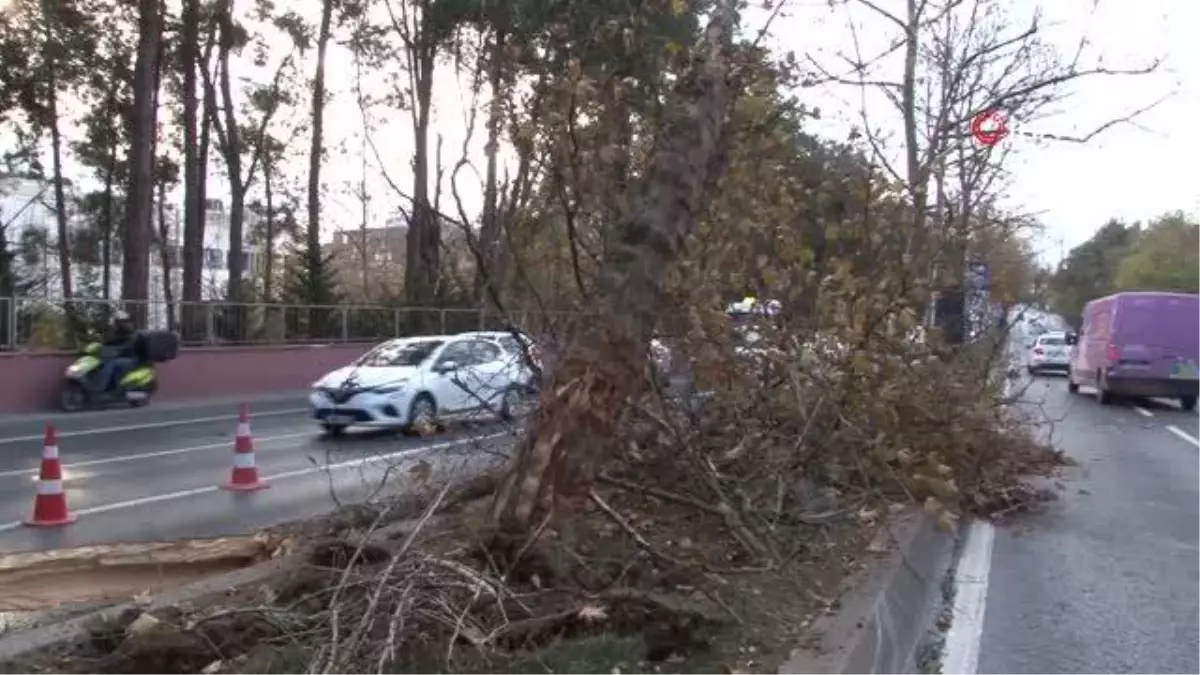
[(1054, 341), (400, 353)]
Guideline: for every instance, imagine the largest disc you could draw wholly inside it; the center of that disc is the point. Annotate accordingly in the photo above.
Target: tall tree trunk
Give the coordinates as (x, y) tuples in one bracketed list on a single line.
[(604, 362), (193, 178), (112, 117), (139, 211), (164, 252), (313, 231), (269, 244), (106, 220), (491, 271), (422, 257), (60, 199), (233, 157), (363, 221)]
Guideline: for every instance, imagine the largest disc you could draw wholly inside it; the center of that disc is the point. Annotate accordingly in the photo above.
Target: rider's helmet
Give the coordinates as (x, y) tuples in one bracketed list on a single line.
[(123, 321)]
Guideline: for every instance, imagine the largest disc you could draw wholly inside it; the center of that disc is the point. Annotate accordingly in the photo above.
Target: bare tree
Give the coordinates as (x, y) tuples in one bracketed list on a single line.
[(960, 58)]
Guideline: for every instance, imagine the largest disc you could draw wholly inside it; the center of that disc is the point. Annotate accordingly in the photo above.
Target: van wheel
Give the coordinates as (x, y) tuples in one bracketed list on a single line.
[(1188, 403), (1072, 387), (1103, 395), (334, 430)]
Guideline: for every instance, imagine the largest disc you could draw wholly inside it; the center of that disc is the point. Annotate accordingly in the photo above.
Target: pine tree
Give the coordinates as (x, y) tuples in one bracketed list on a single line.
[(311, 281)]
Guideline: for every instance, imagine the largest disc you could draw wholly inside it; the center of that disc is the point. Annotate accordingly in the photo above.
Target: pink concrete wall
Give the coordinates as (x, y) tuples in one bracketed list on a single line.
[(30, 381)]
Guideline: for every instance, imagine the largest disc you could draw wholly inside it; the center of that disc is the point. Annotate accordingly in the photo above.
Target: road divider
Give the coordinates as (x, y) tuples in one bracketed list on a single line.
[(165, 424), (118, 459)]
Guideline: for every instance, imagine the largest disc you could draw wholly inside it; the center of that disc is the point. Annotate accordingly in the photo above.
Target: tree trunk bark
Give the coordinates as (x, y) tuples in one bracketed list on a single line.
[(269, 244), (193, 223), (164, 253), (139, 212), (232, 152), (60, 199), (604, 363), (106, 222), (491, 240), (423, 254), (313, 232)]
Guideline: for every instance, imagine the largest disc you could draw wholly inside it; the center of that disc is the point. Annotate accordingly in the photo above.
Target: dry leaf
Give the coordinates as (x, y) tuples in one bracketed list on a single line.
[(593, 613), (143, 624)]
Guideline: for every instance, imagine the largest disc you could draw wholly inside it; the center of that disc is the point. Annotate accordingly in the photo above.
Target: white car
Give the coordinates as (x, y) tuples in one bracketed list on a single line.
[(1049, 352), (420, 380)]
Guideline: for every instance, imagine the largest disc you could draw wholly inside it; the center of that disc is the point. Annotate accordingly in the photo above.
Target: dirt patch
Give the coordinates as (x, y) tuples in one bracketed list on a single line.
[(44, 580), (423, 596)]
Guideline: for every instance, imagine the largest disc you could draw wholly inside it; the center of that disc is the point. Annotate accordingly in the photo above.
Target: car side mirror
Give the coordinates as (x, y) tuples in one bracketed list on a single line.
[(446, 367)]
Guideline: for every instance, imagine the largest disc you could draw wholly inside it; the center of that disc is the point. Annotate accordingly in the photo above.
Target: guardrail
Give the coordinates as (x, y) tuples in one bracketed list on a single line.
[(46, 323)]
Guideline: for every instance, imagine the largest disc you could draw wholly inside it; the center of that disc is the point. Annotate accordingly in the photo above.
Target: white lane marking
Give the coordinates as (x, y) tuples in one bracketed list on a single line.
[(1143, 411), (348, 464), (232, 418), (117, 459), (1184, 435), (965, 636)]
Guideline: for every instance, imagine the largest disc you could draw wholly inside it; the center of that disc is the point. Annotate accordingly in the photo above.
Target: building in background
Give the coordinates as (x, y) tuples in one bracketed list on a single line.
[(29, 229), (369, 263)]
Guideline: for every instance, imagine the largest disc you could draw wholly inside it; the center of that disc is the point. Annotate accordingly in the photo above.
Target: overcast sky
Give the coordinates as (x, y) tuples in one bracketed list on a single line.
[(1134, 172), (1130, 172)]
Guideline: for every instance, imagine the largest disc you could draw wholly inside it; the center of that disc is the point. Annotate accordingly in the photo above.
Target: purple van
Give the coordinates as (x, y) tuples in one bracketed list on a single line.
[(1141, 344)]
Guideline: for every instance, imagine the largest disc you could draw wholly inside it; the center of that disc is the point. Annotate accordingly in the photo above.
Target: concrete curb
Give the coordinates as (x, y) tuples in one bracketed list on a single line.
[(885, 616)]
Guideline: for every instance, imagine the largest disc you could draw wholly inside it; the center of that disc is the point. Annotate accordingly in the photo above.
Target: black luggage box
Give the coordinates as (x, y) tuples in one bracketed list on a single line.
[(157, 346)]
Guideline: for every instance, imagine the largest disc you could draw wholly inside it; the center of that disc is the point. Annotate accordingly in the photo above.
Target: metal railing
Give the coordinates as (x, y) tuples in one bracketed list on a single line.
[(47, 323)]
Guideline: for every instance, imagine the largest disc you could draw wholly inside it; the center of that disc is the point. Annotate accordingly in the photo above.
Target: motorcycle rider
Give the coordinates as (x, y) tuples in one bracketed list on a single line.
[(120, 339)]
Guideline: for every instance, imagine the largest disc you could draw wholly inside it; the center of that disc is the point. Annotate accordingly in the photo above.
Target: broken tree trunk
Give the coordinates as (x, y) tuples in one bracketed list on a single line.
[(603, 364)]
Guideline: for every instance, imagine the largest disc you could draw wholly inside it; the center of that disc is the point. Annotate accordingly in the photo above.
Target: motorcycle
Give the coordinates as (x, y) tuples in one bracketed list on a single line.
[(82, 387)]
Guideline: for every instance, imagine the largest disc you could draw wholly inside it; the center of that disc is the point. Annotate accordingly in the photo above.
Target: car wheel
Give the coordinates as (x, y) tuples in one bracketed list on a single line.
[(334, 430), (1188, 403), (422, 414), (510, 401), (1103, 395), (1072, 387)]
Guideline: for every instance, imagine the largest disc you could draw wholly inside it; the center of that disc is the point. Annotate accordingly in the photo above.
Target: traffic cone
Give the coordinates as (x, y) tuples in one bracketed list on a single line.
[(245, 473), (50, 505)]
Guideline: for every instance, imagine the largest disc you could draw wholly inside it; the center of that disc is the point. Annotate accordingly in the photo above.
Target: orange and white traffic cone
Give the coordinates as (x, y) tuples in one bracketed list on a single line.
[(245, 473), (50, 505)]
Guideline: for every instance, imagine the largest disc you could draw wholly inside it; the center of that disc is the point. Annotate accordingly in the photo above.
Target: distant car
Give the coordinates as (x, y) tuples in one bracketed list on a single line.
[(1049, 352), (1139, 344), (421, 380)]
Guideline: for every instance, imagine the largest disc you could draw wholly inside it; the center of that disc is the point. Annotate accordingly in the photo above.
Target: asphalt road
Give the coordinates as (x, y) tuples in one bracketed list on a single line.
[(1103, 580), (154, 473)]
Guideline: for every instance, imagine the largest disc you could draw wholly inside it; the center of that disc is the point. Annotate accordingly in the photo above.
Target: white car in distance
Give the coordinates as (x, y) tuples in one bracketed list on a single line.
[(410, 382)]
